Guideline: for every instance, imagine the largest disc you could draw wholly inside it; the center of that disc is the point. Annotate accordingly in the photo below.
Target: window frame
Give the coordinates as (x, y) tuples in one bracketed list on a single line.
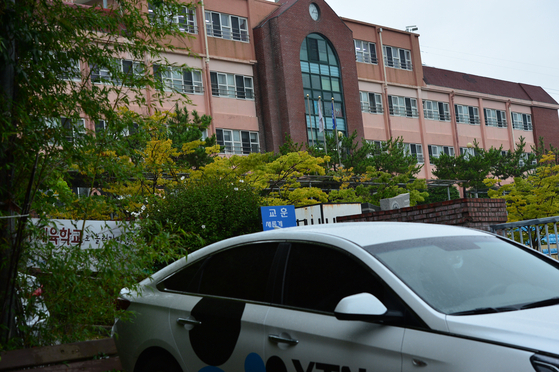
[(373, 108), (222, 25), (415, 149), (434, 112), (403, 106), (190, 80), (103, 72), (447, 150), (470, 117), (365, 52), (522, 121), (495, 118), (229, 85), (188, 25), (393, 58), (238, 142)]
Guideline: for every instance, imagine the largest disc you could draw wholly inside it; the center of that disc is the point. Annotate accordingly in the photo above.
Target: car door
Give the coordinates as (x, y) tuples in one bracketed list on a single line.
[(303, 333), (218, 322)]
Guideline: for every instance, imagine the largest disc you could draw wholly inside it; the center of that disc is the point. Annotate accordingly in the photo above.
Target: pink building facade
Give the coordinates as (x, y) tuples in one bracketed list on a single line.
[(258, 61)]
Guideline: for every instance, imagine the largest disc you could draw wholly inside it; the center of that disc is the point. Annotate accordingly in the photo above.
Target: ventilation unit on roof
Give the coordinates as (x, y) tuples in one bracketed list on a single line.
[(397, 202)]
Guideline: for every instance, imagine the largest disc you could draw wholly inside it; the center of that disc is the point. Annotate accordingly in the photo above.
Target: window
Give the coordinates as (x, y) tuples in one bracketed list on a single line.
[(416, 150), (100, 126), (365, 52), (320, 72), (81, 192), (436, 110), (318, 277), (397, 58), (233, 86), (467, 114), (73, 71), (181, 80), (207, 276), (185, 18), (435, 151), (467, 152), (226, 26), (495, 118), (122, 67), (371, 102), (73, 128), (521, 121), (403, 106), (238, 141)]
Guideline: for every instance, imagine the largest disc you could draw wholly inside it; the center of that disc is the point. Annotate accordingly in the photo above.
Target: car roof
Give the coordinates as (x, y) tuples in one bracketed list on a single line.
[(365, 233)]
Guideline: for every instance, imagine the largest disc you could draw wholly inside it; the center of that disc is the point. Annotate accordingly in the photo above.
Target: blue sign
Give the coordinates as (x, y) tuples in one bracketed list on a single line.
[(279, 216)]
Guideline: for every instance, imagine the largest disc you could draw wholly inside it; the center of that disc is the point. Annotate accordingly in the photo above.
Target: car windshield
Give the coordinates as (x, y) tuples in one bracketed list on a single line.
[(471, 275)]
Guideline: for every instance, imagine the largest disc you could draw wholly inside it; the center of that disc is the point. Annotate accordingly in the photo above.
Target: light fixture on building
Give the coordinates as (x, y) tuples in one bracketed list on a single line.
[(411, 28)]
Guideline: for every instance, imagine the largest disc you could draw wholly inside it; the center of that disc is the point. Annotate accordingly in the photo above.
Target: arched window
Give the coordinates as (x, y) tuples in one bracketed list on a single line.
[(320, 69)]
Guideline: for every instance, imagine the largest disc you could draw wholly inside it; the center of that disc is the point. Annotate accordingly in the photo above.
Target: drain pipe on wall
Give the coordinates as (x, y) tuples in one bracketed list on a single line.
[(207, 70), (385, 83)]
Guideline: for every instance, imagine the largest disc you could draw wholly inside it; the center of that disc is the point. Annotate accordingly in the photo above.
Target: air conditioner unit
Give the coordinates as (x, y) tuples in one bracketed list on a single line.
[(397, 202)]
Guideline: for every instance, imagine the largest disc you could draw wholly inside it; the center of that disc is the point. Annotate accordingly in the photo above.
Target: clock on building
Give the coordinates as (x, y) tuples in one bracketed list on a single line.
[(314, 11)]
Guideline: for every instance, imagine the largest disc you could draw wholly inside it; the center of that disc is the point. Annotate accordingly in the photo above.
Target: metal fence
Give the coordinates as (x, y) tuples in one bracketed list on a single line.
[(540, 233)]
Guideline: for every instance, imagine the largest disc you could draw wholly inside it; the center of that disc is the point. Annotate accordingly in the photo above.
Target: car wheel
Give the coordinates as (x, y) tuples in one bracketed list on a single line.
[(157, 363)]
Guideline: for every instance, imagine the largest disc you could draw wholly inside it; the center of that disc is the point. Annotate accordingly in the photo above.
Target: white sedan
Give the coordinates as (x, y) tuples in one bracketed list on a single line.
[(348, 297)]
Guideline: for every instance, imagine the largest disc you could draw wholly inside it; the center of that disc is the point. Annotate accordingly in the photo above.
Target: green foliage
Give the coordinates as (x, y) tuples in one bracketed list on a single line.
[(184, 127), (78, 287), (536, 196), (440, 193), (206, 211), (472, 170), (44, 145)]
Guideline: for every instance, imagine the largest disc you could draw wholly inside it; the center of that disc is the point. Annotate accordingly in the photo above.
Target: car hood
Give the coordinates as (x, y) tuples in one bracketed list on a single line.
[(536, 329)]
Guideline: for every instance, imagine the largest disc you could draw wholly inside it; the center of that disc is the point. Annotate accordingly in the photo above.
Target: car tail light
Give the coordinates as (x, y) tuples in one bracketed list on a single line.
[(121, 303)]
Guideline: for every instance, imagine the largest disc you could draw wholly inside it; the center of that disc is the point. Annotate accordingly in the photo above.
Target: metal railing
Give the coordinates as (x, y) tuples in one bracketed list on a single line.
[(533, 233)]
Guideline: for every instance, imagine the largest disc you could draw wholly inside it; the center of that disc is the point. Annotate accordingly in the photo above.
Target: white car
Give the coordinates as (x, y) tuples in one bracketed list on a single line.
[(348, 297)]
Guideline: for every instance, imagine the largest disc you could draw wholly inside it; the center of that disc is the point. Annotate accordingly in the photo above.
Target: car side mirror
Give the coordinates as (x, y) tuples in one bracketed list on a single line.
[(364, 307)]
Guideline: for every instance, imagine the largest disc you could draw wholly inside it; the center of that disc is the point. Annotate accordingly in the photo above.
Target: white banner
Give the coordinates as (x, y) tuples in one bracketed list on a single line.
[(66, 233)]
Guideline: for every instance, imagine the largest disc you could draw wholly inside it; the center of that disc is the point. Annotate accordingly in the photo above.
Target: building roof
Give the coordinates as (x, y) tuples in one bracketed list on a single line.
[(480, 84)]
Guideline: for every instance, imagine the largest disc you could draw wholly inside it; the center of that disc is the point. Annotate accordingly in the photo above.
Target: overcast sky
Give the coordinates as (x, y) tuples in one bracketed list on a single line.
[(510, 40)]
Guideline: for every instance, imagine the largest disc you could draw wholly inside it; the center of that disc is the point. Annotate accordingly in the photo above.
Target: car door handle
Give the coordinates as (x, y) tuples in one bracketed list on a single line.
[(188, 321), (283, 340)]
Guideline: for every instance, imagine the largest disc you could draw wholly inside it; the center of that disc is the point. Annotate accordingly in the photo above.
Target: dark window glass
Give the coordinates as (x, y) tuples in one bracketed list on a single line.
[(216, 21), (240, 86), (219, 137), (187, 81), (215, 85), (240, 272), (318, 277), (185, 280), (236, 29), (313, 49), (442, 116), (245, 139)]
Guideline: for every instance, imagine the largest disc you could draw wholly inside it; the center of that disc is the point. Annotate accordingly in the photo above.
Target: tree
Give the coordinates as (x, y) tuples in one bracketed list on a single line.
[(58, 66), (389, 156), (536, 196), (471, 169), (205, 211)]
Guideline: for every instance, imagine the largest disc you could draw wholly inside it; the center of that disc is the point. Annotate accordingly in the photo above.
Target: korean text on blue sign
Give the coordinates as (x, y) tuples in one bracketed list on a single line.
[(280, 216)]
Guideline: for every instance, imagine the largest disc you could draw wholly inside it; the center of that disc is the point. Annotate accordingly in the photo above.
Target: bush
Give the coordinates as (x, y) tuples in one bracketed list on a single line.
[(206, 211)]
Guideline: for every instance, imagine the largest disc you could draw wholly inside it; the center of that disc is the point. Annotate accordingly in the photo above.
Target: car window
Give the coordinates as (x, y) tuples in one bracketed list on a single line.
[(461, 274), (240, 272), (183, 280), (318, 277)]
